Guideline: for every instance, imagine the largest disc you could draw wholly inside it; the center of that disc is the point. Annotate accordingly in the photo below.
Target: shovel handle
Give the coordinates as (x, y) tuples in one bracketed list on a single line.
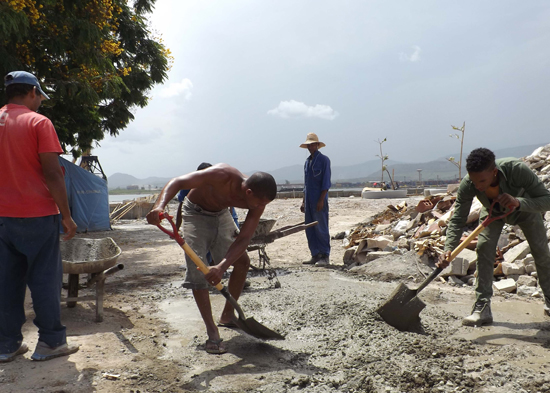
[(188, 250), (490, 217)]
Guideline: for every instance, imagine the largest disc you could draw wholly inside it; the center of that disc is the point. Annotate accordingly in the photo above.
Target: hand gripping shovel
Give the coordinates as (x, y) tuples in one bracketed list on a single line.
[(248, 325), (402, 309)]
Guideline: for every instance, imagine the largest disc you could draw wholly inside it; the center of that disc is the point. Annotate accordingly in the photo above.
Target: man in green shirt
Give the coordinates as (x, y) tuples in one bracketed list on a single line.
[(512, 184)]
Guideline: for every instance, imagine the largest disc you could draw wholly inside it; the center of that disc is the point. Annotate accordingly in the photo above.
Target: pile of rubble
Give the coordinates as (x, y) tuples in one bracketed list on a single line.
[(422, 228)]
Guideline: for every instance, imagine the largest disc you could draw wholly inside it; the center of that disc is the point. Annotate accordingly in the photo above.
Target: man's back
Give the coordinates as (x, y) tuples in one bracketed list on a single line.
[(24, 134)]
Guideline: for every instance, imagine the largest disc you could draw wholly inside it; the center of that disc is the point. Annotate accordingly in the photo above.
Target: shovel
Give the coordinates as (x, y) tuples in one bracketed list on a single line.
[(248, 325), (402, 309)]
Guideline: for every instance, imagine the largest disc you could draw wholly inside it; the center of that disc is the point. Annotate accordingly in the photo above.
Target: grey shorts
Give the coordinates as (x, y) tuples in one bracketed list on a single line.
[(205, 231)]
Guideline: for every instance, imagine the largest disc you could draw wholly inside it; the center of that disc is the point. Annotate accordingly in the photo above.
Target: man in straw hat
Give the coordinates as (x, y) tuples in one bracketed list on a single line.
[(315, 203)]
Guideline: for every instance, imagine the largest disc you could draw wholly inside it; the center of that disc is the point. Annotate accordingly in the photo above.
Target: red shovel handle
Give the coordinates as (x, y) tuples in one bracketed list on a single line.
[(172, 233), (490, 217)]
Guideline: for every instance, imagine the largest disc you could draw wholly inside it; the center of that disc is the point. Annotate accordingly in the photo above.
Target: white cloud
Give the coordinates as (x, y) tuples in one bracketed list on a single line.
[(414, 57), (292, 108), (175, 89)]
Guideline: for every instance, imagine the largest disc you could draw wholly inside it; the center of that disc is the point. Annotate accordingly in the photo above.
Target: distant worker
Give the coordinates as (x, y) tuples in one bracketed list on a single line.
[(315, 203), (513, 185), (208, 226), (33, 193)]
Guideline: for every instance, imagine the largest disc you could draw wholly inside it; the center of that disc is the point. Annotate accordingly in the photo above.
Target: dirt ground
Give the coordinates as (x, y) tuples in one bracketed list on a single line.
[(152, 337)]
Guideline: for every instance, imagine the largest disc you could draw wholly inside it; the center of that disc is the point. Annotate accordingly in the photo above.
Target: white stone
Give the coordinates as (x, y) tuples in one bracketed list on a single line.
[(524, 290), (528, 281), (400, 228), (509, 269), (517, 252), (371, 256), (507, 285), (379, 242)]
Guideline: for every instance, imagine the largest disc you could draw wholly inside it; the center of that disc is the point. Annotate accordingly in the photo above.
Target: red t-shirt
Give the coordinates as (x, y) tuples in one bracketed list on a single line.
[(23, 135)]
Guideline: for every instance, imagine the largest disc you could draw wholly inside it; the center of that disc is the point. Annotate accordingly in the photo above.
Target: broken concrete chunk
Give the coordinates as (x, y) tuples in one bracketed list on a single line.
[(528, 281), (379, 242), (509, 269), (517, 252), (475, 209), (524, 290), (507, 285), (400, 228), (349, 255), (457, 267), (371, 256)]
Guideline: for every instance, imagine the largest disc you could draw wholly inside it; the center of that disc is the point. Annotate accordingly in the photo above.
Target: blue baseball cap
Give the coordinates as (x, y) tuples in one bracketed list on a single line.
[(24, 77)]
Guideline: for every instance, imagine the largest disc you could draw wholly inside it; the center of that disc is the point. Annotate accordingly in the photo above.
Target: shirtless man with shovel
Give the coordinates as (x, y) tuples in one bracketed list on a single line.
[(208, 226)]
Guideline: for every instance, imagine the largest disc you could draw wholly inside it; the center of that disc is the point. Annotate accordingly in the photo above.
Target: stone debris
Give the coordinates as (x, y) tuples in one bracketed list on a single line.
[(422, 228)]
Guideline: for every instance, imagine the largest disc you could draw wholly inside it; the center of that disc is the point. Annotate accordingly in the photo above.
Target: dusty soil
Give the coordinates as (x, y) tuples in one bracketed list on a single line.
[(152, 337)]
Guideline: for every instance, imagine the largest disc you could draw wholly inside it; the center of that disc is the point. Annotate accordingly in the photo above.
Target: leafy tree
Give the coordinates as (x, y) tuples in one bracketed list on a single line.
[(96, 59)]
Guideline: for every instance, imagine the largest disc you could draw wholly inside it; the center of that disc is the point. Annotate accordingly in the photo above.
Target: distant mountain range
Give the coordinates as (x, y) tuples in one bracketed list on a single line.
[(440, 169)]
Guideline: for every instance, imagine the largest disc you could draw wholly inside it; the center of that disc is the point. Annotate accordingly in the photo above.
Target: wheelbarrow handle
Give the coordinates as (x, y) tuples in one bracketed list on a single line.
[(188, 250)]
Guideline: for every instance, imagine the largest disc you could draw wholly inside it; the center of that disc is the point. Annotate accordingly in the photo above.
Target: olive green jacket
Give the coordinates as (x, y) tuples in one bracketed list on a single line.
[(516, 179)]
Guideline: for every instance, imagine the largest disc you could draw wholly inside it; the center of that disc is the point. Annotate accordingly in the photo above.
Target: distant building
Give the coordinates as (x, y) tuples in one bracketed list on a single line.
[(132, 187)]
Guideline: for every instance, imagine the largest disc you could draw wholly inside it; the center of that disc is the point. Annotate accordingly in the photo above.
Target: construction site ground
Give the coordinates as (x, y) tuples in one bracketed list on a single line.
[(152, 337)]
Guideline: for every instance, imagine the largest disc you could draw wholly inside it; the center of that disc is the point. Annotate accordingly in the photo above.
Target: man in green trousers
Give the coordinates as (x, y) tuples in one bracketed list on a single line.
[(512, 184)]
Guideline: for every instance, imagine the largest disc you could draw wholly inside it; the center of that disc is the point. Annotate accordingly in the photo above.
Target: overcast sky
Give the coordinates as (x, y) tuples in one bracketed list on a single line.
[(250, 79)]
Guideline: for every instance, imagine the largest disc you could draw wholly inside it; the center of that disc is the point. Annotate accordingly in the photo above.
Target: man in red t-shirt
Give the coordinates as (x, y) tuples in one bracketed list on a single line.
[(32, 194)]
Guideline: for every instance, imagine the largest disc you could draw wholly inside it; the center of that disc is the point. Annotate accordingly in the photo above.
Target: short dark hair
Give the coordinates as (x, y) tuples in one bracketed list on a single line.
[(203, 165), (262, 185), (18, 90), (480, 160)]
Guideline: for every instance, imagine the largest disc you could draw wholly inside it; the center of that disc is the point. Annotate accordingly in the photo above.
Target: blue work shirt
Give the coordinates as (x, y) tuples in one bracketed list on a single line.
[(317, 177)]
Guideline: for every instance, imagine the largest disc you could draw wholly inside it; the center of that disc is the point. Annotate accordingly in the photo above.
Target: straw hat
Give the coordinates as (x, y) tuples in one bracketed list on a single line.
[(312, 138)]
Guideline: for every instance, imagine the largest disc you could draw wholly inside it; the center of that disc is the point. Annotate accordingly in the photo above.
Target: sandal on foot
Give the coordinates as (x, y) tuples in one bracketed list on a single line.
[(218, 349), (230, 325)]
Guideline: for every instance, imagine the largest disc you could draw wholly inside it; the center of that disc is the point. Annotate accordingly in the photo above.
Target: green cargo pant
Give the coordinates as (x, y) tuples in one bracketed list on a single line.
[(532, 226)]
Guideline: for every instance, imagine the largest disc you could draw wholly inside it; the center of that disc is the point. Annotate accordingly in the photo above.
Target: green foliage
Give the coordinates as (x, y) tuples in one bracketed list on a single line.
[(96, 59)]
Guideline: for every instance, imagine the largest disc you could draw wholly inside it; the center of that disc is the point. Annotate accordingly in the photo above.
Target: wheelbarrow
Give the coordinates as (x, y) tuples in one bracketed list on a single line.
[(402, 309), (96, 257), (262, 237)]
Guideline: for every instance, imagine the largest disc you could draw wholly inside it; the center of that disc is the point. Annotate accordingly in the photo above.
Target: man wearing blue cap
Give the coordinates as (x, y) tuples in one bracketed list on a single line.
[(32, 196)]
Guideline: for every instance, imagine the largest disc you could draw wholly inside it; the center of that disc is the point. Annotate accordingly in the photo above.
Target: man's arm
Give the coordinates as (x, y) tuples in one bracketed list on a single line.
[(238, 247), (537, 197), (56, 185), (184, 182)]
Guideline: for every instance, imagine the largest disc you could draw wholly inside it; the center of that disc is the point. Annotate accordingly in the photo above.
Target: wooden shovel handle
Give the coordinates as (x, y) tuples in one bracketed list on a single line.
[(188, 250)]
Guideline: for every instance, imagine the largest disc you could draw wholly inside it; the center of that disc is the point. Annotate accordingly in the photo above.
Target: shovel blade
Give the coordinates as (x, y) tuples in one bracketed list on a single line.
[(402, 309), (256, 329)]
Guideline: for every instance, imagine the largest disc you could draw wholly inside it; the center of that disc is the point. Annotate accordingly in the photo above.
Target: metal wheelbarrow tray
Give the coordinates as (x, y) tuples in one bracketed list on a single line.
[(96, 257), (262, 237)]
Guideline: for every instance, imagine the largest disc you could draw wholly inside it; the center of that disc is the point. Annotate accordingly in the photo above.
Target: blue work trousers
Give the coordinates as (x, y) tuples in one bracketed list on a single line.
[(318, 237), (30, 255)]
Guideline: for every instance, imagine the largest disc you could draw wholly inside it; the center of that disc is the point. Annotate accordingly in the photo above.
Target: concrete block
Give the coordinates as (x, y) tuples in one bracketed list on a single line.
[(349, 255), (517, 252), (469, 256), (507, 285), (528, 281), (379, 242), (457, 267), (524, 290), (371, 256), (509, 269)]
